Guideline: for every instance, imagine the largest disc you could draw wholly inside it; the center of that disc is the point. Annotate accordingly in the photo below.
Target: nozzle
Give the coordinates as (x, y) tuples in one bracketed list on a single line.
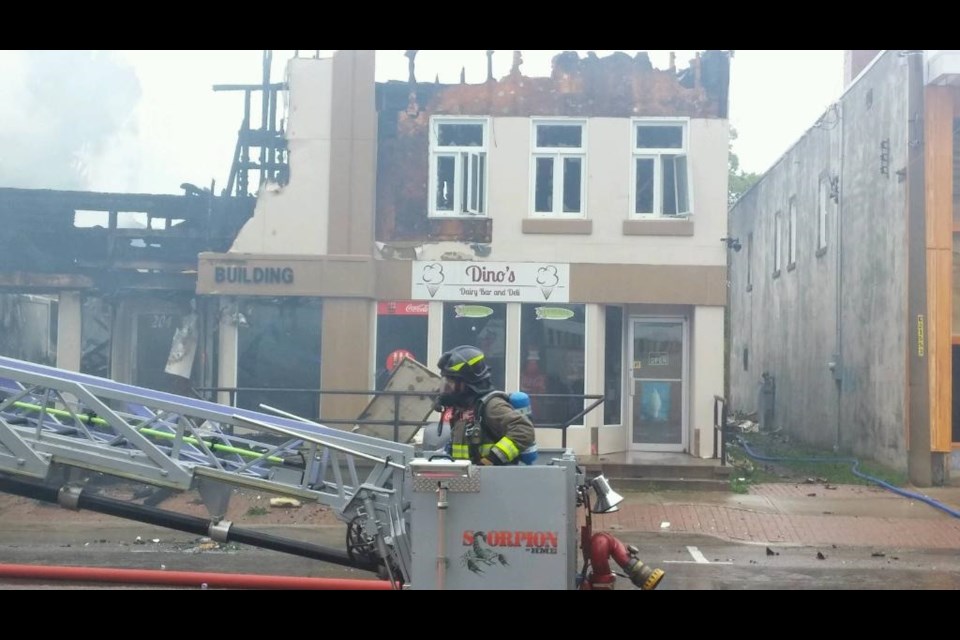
[(644, 577)]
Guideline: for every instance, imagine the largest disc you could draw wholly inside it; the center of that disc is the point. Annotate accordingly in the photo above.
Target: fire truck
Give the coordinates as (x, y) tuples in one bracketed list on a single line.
[(414, 517)]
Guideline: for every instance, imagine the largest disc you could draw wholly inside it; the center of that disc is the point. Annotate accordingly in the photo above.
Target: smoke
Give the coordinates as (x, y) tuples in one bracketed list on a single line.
[(67, 118)]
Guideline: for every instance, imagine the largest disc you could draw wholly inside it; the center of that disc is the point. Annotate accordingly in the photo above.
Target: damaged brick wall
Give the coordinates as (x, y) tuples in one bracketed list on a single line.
[(617, 85)]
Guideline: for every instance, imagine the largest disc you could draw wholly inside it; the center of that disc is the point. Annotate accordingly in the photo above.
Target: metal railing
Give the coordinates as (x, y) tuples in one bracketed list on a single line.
[(211, 393)]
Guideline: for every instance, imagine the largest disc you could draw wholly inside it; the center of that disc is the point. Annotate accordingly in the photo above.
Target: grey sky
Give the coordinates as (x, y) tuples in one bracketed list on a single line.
[(147, 121)]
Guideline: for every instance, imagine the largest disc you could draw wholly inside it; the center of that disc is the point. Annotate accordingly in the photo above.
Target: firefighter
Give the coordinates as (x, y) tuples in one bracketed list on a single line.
[(484, 427)]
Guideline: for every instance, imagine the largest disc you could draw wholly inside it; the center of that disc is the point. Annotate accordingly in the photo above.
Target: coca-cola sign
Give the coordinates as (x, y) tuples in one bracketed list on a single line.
[(402, 308)]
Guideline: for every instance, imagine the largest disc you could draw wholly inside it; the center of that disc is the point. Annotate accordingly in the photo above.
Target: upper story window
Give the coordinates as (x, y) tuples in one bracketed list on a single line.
[(458, 166), (823, 204), (792, 233), (661, 176), (559, 156), (777, 233)]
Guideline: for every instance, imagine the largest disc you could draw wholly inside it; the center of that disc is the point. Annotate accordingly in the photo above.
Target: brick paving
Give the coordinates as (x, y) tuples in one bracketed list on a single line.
[(788, 514)]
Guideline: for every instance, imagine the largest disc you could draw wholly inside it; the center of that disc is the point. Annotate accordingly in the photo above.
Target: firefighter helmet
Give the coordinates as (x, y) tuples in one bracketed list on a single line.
[(466, 363)]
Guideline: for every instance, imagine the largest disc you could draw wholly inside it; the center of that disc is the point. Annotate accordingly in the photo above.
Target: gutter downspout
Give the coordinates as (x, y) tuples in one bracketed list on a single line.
[(838, 363)]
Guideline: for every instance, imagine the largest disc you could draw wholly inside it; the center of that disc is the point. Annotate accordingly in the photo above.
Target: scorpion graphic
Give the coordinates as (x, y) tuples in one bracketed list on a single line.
[(480, 555)]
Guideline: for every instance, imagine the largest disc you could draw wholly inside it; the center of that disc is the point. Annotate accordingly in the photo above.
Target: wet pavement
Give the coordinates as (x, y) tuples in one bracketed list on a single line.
[(777, 536), (799, 514)]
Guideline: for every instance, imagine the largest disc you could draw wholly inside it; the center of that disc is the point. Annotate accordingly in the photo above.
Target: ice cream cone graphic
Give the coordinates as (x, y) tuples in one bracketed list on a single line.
[(432, 277), (548, 280)]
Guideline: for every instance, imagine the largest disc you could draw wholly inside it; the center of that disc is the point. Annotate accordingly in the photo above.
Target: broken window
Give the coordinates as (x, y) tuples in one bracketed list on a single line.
[(558, 159), (96, 331), (458, 169), (278, 355), (661, 173)]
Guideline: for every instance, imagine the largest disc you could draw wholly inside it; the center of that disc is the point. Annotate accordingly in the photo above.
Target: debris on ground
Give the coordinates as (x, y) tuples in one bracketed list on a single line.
[(771, 552), (878, 554), (286, 503), (820, 556)]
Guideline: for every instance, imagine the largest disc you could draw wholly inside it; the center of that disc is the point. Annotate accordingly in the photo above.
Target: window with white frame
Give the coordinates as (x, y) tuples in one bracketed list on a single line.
[(458, 166), (661, 176), (777, 229), (558, 168), (792, 230)]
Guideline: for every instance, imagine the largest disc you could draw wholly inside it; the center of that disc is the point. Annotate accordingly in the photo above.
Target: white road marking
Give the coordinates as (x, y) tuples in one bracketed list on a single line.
[(697, 555), (698, 558)]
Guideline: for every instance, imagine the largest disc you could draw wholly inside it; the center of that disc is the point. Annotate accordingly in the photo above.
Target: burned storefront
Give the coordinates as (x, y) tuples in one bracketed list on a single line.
[(567, 225)]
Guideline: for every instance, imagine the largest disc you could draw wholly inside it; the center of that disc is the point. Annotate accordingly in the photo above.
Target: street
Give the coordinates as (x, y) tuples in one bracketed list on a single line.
[(691, 562)]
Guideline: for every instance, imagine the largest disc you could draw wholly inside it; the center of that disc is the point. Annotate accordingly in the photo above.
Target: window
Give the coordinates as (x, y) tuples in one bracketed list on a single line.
[(792, 230), (552, 352), (458, 166), (661, 181), (823, 201), (776, 243), (558, 168), (613, 366), (278, 355), (482, 325), (401, 330)]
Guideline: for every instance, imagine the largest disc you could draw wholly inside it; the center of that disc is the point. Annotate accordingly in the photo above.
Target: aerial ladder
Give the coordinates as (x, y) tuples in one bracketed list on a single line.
[(418, 519)]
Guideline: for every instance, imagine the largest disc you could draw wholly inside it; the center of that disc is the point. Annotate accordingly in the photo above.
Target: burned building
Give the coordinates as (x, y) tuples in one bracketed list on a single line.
[(568, 225)]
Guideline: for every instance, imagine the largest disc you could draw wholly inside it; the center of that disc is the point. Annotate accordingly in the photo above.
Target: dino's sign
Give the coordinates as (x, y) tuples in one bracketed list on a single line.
[(457, 281)]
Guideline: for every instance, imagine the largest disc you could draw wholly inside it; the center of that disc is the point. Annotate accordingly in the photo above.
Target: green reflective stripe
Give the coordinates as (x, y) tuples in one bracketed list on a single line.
[(485, 449), (461, 451), (509, 449), (457, 366), (475, 359)]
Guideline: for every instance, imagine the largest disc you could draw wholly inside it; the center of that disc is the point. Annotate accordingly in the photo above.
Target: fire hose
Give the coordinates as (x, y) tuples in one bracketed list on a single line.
[(195, 579)]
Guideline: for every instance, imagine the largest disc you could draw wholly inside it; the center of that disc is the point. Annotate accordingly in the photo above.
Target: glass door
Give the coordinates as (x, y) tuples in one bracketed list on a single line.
[(658, 367)]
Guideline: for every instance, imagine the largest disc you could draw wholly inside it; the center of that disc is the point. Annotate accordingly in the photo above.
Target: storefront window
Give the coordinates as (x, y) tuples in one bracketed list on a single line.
[(279, 355), (484, 327), (28, 328), (613, 366), (401, 331), (551, 360), (96, 329)]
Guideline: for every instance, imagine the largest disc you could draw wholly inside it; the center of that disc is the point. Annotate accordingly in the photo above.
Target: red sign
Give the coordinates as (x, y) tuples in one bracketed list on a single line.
[(396, 357), (402, 308)]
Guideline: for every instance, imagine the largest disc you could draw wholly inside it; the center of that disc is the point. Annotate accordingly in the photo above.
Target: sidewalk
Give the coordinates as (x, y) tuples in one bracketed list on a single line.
[(797, 514)]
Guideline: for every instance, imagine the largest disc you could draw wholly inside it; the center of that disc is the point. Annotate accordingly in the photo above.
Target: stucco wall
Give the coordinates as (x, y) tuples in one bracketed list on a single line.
[(796, 324), (293, 219)]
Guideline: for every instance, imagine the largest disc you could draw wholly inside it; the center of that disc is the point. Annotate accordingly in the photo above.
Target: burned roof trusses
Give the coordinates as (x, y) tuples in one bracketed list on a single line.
[(617, 85)]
